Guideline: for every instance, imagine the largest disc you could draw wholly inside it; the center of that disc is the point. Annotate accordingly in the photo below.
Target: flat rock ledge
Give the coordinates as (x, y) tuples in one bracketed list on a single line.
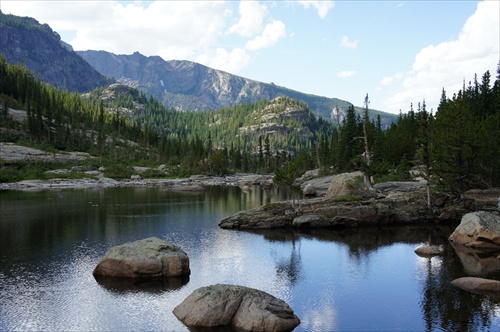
[(480, 286), (96, 179), (331, 212), (144, 259), (241, 308)]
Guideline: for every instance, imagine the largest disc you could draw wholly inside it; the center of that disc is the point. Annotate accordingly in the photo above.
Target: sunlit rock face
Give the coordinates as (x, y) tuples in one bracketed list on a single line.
[(242, 308), (144, 259), (478, 230)]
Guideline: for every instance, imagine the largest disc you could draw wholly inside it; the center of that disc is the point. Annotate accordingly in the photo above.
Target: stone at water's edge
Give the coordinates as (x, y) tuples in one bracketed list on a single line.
[(325, 213), (243, 308), (478, 285), (478, 230), (429, 251), (144, 259)]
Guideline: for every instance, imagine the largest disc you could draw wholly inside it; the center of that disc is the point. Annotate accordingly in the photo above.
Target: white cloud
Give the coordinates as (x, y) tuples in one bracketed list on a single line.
[(447, 64), (346, 73), (251, 17), (182, 30), (321, 6), (273, 32), (231, 62), (345, 42), (388, 80), (171, 29)]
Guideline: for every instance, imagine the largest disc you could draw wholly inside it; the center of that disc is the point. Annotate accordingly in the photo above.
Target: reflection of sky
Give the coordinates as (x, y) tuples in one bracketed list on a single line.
[(327, 284)]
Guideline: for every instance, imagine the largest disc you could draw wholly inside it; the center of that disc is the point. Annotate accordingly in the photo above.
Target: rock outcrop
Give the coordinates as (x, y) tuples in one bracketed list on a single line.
[(478, 230), (242, 308), (11, 152), (336, 212), (478, 285), (483, 199), (144, 259)]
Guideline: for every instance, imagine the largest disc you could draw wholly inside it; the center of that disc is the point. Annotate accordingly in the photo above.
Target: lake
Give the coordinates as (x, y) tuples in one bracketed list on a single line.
[(366, 279)]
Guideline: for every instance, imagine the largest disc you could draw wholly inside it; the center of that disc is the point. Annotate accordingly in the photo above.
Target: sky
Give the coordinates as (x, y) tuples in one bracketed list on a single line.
[(398, 52)]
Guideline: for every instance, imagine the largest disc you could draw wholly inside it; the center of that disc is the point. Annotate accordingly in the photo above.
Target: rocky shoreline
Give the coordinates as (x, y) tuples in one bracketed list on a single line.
[(348, 204), (97, 180)]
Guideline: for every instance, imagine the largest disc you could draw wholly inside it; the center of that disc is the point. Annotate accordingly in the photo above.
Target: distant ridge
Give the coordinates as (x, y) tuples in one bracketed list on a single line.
[(189, 86), (182, 85)]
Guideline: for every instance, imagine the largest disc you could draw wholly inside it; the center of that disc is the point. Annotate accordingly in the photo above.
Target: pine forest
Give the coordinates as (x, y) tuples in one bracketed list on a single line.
[(457, 147)]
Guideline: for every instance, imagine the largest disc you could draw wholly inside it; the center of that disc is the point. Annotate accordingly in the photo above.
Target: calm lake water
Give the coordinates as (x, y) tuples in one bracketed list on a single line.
[(338, 280)]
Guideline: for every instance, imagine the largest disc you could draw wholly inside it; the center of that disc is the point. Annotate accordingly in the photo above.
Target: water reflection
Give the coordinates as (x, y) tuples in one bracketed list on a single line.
[(121, 285), (345, 279), (478, 262), (443, 307)]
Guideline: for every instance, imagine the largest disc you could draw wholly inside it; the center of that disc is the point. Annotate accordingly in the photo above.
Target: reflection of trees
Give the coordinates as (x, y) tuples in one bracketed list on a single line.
[(446, 307), (289, 269)]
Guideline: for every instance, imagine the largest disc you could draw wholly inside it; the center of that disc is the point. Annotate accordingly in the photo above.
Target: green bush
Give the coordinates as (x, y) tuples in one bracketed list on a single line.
[(117, 171)]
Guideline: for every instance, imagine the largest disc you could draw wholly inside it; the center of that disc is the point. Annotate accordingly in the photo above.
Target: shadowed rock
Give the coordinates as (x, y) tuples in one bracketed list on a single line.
[(478, 230), (240, 307), (144, 259), (478, 285)]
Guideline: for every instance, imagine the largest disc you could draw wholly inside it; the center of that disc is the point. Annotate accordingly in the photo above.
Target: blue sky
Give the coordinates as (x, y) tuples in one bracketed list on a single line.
[(399, 52)]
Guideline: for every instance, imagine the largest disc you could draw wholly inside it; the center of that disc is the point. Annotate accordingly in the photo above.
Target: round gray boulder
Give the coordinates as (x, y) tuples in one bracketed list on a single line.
[(242, 308), (144, 259)]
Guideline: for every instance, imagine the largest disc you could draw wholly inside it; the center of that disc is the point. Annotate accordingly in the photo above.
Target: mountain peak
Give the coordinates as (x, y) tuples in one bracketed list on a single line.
[(24, 40)]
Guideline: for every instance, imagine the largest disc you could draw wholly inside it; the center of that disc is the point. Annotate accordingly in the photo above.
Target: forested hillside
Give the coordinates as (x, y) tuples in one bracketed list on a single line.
[(120, 125), (457, 148)]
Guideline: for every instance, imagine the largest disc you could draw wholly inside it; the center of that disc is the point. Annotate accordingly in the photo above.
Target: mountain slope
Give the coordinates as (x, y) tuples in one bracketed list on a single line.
[(24, 40), (186, 85)]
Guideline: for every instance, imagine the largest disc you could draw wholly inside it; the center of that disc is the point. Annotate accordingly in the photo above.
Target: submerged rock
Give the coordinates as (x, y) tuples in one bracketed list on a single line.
[(478, 285), (242, 308), (478, 230), (144, 259)]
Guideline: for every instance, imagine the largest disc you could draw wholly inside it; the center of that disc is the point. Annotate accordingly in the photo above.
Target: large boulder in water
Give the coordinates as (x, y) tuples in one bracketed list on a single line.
[(144, 259), (242, 308), (478, 230)]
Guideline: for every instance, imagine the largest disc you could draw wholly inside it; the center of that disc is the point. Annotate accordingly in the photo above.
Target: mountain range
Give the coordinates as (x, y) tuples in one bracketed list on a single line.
[(181, 85)]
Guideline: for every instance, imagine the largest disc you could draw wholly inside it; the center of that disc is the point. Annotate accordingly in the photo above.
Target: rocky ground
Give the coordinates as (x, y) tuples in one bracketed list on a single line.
[(10, 152)]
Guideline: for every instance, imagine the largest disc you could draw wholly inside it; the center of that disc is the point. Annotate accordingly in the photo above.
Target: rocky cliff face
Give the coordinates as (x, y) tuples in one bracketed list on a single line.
[(24, 40), (186, 85)]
